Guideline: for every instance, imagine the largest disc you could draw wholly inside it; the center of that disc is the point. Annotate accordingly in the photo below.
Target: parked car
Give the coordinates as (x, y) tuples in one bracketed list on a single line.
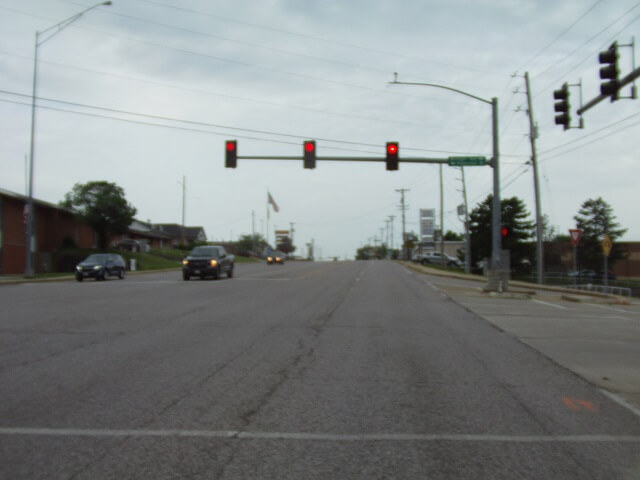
[(101, 265), (588, 274), (207, 261), (436, 258), (275, 257)]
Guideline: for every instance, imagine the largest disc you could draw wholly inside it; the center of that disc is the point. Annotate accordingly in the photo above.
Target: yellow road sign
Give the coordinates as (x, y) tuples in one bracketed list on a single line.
[(606, 245)]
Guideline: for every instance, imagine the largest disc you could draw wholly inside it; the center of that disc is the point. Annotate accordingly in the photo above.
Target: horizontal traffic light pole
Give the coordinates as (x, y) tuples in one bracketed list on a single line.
[(623, 83), (392, 158), (453, 161)]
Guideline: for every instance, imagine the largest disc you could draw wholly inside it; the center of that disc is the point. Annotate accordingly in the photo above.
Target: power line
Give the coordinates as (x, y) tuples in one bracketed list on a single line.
[(589, 134), (320, 39), (564, 32), (587, 42), (235, 97), (207, 124), (592, 141), (588, 57)]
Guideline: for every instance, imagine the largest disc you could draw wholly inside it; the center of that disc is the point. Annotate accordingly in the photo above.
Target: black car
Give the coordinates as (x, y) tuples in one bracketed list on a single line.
[(275, 257), (207, 261), (101, 265)]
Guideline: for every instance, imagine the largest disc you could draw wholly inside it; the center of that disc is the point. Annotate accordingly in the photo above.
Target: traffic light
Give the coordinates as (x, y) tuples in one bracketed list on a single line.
[(309, 152), (609, 72), (231, 149), (505, 233), (393, 151), (562, 106)]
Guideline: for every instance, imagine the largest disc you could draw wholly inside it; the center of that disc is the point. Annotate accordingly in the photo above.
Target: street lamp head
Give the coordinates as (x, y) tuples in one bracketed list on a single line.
[(106, 4)]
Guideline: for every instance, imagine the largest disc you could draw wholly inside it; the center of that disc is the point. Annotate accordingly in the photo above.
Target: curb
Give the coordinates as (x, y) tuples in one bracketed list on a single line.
[(68, 278)]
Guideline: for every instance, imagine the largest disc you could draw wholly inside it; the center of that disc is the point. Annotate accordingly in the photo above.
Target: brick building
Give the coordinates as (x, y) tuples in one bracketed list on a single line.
[(54, 227)]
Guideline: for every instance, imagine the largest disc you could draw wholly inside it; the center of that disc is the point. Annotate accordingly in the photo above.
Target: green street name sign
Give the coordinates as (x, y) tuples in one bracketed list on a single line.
[(466, 161)]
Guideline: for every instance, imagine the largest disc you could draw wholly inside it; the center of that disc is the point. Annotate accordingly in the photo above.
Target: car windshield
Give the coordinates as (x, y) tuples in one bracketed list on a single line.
[(97, 258), (205, 252)]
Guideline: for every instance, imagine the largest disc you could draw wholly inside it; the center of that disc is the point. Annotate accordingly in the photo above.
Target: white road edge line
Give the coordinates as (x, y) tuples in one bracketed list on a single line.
[(366, 437), (549, 304), (621, 401)]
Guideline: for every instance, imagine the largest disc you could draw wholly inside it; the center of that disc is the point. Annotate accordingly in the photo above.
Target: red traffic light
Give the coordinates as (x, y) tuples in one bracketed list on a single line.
[(504, 231), (231, 157), (309, 148), (393, 151)]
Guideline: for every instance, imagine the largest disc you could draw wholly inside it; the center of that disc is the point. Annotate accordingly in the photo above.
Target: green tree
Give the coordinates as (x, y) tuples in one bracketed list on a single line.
[(250, 243), (103, 206), (285, 245), (453, 236), (515, 217), (595, 218)]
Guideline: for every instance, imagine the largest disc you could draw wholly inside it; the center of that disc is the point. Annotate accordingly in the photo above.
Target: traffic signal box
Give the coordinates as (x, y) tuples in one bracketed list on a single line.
[(562, 106), (609, 72), (393, 152), (231, 151), (309, 153)]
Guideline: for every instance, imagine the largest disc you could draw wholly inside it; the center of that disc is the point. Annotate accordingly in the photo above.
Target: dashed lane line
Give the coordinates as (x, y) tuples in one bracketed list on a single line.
[(331, 437)]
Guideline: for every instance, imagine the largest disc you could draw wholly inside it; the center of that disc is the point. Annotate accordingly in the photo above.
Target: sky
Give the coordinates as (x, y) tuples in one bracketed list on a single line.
[(144, 93)]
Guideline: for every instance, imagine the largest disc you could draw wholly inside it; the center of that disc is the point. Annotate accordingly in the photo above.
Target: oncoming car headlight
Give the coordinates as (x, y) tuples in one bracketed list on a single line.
[(185, 262), (214, 263), (269, 259), (98, 267)]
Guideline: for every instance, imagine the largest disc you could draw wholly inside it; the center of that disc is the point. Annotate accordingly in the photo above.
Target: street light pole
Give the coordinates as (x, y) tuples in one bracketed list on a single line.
[(29, 213), (497, 281)]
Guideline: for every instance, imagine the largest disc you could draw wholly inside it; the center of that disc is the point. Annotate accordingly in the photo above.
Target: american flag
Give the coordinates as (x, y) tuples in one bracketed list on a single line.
[(272, 202)]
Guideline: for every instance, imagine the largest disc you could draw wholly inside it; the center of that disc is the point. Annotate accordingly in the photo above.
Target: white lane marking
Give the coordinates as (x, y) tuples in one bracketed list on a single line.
[(549, 304), (621, 401), (609, 308), (365, 437)]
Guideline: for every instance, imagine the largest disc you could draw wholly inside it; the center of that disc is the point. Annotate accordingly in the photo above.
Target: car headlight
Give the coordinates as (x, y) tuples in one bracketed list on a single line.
[(78, 267), (98, 267), (277, 259), (269, 259), (214, 263), (185, 262)]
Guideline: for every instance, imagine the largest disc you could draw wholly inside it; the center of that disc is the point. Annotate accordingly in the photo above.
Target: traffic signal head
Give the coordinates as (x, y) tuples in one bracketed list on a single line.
[(309, 152), (231, 154), (609, 72), (562, 106), (393, 152), (505, 232)]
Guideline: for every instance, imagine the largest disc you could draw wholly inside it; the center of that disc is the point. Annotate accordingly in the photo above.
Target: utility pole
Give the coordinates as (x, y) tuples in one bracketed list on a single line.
[(536, 184), (391, 218), (403, 207), (441, 219), (467, 233), (253, 230), (184, 199), (292, 230)]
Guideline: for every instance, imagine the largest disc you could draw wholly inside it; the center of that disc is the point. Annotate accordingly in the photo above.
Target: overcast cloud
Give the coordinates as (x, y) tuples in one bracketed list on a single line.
[(153, 89)]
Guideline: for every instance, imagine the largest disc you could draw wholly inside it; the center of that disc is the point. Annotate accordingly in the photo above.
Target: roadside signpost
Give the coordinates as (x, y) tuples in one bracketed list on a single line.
[(575, 234), (606, 249)]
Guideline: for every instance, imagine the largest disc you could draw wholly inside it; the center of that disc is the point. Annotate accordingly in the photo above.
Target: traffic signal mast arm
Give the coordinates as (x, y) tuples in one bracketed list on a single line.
[(622, 83)]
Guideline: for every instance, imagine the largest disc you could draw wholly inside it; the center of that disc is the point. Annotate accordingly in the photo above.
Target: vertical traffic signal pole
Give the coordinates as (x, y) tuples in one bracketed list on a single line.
[(497, 276)]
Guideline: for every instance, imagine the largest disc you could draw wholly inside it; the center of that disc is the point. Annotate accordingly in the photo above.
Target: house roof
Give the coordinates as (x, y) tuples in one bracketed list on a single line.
[(176, 231)]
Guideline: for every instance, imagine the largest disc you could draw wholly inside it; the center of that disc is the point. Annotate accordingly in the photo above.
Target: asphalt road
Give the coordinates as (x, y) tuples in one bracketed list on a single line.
[(346, 370)]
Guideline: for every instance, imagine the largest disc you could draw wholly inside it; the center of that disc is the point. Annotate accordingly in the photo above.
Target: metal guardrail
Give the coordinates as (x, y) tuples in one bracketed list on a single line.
[(624, 291)]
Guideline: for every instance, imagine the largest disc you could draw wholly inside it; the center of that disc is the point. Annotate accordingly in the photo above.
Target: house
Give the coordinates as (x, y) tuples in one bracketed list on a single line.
[(142, 236), (181, 235), (54, 227)]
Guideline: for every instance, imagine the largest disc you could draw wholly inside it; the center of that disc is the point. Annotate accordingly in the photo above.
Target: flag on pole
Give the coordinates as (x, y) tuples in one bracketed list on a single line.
[(272, 202)]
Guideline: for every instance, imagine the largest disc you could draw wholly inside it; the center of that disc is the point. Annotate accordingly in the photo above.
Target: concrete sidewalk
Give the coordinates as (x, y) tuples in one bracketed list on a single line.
[(595, 336)]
